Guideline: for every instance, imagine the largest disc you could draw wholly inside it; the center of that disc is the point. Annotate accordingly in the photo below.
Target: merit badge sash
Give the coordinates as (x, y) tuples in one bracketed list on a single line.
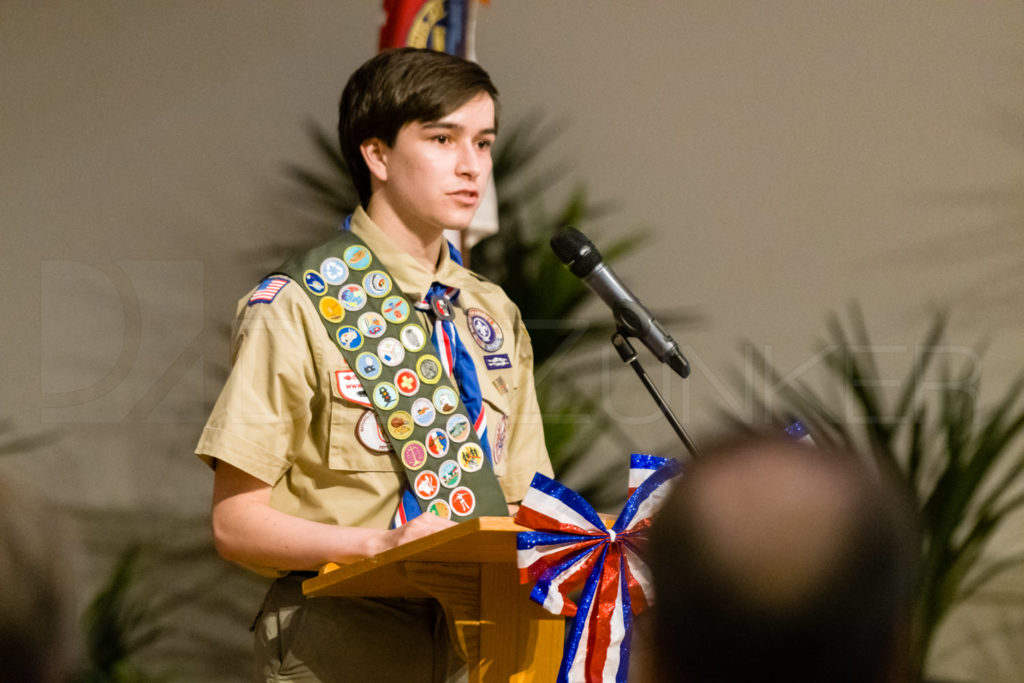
[(419, 409)]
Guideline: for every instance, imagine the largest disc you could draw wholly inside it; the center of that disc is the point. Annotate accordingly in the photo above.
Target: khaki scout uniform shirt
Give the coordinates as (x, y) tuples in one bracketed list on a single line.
[(281, 418)]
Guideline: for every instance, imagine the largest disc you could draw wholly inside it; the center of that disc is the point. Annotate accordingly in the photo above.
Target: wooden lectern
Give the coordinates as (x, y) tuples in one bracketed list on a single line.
[(471, 570)]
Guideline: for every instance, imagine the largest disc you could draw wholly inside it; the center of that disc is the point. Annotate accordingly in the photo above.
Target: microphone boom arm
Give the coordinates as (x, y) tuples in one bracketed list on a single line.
[(628, 355)]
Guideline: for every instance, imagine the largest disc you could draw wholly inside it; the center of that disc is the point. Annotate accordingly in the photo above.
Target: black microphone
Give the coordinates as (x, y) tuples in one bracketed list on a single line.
[(584, 260)]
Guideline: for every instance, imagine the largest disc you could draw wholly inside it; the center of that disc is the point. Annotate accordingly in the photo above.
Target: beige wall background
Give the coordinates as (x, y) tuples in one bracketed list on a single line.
[(789, 156)]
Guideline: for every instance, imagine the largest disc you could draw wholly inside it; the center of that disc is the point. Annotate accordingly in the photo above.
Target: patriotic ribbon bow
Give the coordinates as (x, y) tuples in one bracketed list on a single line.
[(571, 545)]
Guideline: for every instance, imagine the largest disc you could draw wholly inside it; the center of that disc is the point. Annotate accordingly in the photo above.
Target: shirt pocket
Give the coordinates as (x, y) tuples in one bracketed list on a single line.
[(498, 407), (347, 450)]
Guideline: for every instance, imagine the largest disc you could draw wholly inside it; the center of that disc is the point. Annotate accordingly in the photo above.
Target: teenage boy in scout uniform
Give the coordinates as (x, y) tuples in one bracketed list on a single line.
[(304, 473)]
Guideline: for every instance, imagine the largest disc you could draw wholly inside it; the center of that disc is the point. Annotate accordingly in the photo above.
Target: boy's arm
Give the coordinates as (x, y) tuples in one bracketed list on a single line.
[(248, 531)]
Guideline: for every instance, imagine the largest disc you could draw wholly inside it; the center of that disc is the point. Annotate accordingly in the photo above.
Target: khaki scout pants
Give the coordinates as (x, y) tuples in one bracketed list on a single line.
[(352, 639)]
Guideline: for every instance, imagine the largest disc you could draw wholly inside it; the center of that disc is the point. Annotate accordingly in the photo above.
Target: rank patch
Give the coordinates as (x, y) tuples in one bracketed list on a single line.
[(500, 434), (268, 290)]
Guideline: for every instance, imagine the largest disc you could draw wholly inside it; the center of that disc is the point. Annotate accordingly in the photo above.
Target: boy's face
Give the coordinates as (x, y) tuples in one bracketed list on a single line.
[(437, 171)]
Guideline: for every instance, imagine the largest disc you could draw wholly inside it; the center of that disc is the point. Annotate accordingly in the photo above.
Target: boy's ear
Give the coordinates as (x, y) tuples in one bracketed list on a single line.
[(375, 154)]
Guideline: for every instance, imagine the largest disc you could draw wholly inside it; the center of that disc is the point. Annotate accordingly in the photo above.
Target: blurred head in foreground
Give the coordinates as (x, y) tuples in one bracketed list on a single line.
[(777, 561)]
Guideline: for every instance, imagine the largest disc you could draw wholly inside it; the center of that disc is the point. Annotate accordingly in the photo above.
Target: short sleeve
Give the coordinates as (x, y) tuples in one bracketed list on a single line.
[(264, 408)]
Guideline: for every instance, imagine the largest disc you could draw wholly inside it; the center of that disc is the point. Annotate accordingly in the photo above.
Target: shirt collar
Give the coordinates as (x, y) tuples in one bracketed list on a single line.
[(411, 275)]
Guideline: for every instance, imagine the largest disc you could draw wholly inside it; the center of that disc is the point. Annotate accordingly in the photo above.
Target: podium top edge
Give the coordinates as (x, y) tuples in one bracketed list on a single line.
[(471, 533)]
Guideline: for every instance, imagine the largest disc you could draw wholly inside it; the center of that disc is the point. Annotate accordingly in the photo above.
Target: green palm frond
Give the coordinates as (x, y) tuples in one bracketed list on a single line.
[(961, 462)]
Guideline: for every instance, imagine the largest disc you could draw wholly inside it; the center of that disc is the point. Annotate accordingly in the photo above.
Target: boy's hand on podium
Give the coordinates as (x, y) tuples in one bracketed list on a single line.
[(420, 526)]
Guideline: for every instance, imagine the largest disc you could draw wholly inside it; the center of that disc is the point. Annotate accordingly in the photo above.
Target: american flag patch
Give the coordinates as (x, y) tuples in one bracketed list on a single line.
[(267, 290)]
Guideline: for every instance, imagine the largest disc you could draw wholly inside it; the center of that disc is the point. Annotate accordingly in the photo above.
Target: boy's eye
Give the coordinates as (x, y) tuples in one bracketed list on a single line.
[(441, 138), (485, 144)]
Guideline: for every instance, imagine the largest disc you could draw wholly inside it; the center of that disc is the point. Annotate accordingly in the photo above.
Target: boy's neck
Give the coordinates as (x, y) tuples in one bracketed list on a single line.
[(423, 245)]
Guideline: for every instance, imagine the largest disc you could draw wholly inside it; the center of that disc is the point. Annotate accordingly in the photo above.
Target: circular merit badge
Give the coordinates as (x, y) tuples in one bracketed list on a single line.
[(440, 508), (395, 309), (414, 455), (377, 283), (445, 400), (385, 396), (458, 428), (400, 425), (407, 382), (314, 282), (368, 366), (390, 351), (485, 331), (427, 485), (333, 270), (350, 338), (450, 474), (462, 501), (471, 457), (429, 369), (372, 325), (413, 337), (331, 309), (358, 257), (437, 443), (423, 412), (352, 297), (370, 434)]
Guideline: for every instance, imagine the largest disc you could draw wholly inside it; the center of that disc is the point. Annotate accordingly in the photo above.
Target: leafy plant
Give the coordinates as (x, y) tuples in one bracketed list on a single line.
[(118, 626), (961, 462)]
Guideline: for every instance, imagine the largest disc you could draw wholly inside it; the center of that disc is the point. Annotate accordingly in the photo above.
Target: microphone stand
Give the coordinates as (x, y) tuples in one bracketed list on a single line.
[(629, 357)]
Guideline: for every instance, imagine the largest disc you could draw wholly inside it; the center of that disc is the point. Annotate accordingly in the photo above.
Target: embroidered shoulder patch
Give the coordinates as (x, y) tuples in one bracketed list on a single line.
[(268, 290)]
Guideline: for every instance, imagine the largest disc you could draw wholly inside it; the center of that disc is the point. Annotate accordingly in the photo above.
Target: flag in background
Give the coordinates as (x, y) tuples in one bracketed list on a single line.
[(442, 25), (446, 26)]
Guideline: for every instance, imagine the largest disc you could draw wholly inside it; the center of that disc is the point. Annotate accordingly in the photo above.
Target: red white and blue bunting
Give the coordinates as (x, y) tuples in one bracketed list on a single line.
[(571, 545)]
